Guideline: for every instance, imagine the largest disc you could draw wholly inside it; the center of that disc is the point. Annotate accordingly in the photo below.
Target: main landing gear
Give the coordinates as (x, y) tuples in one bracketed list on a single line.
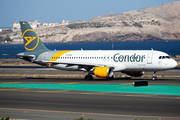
[(88, 77), (111, 78), (154, 76)]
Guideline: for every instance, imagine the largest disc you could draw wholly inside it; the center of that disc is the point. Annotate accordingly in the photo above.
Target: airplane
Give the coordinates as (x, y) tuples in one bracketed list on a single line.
[(101, 63)]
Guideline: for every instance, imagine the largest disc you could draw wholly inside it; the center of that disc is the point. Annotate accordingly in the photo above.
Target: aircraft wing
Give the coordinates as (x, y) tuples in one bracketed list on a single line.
[(72, 63), (118, 67)]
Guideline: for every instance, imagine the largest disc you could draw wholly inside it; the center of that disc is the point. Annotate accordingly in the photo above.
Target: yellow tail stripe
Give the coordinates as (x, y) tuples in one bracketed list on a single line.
[(58, 54)]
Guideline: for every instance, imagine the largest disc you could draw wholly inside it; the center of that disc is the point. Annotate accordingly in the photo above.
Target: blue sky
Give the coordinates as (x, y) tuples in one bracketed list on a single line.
[(48, 11)]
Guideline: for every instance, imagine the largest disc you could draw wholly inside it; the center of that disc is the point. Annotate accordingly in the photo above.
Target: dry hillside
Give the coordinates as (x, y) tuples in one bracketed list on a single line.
[(154, 23)]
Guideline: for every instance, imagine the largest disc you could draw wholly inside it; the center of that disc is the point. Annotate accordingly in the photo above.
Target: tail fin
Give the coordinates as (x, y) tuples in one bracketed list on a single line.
[(32, 42)]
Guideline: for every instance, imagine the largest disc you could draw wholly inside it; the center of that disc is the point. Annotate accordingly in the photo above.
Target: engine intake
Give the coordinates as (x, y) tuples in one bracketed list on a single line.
[(104, 72)]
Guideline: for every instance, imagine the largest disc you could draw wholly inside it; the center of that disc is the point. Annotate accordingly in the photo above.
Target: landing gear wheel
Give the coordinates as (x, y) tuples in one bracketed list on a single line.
[(111, 78), (154, 76), (88, 77)]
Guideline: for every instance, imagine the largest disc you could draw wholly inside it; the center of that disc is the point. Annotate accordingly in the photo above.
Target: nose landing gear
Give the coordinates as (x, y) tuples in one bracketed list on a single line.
[(154, 76)]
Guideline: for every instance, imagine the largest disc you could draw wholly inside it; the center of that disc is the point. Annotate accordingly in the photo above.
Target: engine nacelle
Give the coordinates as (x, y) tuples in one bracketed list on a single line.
[(104, 72), (134, 73)]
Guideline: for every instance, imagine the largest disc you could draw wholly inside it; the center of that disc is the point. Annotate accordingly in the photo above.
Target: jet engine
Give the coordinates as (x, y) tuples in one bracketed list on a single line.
[(134, 73), (104, 72)]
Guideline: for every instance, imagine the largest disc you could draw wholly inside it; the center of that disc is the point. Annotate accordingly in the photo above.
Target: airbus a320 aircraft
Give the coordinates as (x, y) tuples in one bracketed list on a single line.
[(101, 63)]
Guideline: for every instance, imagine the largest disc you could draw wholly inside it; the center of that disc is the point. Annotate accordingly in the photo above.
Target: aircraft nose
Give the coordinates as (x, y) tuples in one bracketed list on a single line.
[(173, 63)]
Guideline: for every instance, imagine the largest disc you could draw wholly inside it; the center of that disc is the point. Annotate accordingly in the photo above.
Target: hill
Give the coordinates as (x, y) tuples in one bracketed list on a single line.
[(153, 23)]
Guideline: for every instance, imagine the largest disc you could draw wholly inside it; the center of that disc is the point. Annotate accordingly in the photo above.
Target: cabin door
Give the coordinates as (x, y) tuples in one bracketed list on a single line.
[(149, 58)]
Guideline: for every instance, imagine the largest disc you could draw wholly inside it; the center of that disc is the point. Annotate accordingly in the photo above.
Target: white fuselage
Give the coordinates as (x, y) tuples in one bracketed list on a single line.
[(120, 60)]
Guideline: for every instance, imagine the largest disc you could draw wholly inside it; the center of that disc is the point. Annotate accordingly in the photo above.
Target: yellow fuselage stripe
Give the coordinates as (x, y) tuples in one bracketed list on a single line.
[(59, 54)]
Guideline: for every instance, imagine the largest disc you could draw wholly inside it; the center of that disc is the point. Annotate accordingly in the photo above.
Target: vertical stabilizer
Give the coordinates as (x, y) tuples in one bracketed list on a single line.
[(32, 42)]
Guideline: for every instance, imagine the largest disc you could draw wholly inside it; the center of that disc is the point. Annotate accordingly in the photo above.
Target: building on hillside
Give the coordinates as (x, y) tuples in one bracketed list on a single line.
[(35, 24), (53, 24), (13, 37), (16, 25), (64, 22), (46, 24)]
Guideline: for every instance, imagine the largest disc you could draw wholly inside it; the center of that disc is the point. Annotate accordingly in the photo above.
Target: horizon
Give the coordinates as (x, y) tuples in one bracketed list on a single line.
[(5, 27)]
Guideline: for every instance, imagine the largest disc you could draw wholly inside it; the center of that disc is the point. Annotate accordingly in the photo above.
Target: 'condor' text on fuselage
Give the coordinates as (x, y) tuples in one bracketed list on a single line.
[(128, 58)]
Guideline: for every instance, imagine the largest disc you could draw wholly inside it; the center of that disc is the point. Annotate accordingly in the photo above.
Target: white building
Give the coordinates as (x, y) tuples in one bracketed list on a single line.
[(45, 24), (53, 24), (64, 22), (0, 30), (35, 24), (16, 25), (13, 37)]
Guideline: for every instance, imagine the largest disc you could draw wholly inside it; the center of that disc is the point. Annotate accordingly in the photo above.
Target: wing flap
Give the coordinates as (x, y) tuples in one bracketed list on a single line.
[(71, 63), (117, 67)]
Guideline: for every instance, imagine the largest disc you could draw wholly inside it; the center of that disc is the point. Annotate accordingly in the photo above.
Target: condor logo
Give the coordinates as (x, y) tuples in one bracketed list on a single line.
[(31, 40)]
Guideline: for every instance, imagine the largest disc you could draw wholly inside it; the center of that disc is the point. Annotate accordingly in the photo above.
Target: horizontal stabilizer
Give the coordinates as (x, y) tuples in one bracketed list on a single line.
[(19, 56)]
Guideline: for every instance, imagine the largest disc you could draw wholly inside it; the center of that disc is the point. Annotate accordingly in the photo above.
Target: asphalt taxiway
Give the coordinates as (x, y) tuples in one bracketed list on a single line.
[(68, 98), (43, 72), (45, 104)]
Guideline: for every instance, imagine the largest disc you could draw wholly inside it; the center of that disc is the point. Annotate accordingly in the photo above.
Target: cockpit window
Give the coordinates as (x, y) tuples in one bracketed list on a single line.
[(168, 57), (164, 57)]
